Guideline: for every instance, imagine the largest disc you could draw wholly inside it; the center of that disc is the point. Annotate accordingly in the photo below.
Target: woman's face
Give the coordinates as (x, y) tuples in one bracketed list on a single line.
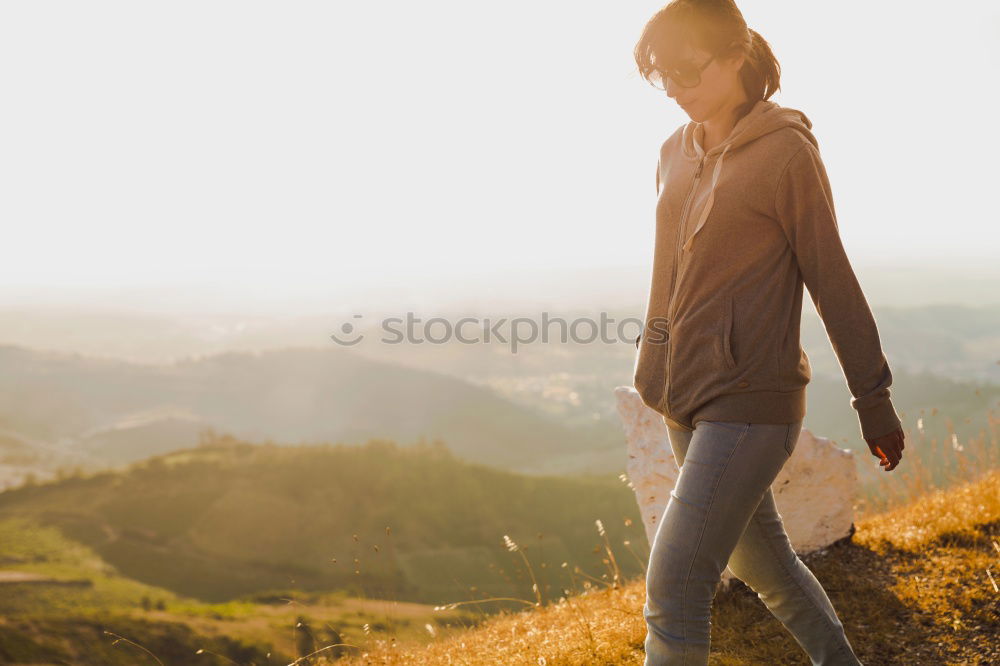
[(718, 89)]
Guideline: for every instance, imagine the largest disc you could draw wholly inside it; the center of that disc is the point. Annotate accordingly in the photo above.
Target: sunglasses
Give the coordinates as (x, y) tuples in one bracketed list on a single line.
[(686, 75)]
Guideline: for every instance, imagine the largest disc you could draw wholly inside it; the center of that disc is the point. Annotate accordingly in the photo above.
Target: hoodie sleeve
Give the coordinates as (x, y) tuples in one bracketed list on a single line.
[(804, 207)]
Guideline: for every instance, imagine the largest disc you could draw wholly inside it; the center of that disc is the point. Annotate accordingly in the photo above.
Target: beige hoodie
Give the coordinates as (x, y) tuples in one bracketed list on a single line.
[(739, 230)]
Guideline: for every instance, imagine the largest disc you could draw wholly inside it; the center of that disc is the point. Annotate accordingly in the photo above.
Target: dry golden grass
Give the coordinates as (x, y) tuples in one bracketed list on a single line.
[(955, 514), (931, 465), (915, 584)]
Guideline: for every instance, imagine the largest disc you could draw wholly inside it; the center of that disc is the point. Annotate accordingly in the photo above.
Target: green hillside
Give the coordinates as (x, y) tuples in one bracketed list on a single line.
[(58, 597), (229, 519), (61, 603)]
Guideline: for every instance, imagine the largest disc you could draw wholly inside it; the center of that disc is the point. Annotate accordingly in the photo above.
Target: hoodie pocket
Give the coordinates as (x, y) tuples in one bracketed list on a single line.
[(727, 333)]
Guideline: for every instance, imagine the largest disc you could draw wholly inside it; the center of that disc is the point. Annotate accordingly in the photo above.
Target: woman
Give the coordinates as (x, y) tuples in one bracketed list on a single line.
[(744, 218)]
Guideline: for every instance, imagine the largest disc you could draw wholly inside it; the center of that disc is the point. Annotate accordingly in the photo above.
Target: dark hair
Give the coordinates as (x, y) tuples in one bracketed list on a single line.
[(716, 26)]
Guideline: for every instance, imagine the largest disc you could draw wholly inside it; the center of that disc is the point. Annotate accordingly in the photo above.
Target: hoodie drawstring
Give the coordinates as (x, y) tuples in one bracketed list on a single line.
[(709, 202)]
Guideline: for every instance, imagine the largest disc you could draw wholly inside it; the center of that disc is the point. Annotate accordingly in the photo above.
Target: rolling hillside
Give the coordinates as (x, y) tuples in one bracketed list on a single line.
[(229, 519)]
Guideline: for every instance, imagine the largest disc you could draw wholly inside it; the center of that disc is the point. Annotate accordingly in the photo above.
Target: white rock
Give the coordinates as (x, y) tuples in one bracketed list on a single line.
[(814, 491)]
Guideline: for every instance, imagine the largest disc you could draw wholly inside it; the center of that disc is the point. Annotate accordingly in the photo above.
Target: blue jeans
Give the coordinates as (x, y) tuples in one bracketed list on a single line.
[(721, 512)]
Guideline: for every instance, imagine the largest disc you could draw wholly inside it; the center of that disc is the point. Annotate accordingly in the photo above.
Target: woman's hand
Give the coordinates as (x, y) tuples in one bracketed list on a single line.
[(888, 448)]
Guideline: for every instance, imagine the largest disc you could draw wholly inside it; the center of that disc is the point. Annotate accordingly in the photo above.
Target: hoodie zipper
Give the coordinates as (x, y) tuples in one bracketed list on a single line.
[(673, 272)]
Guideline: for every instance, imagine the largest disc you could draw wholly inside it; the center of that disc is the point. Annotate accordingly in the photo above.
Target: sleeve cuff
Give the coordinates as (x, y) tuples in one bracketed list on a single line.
[(878, 420)]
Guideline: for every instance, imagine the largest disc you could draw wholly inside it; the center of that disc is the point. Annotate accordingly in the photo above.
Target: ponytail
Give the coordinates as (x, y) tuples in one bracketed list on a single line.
[(760, 74)]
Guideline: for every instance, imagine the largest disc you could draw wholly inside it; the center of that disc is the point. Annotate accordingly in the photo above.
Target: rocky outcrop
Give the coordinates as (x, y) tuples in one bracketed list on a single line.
[(814, 491)]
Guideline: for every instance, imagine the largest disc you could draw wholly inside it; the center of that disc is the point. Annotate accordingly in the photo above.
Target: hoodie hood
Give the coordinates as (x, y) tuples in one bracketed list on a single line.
[(765, 117)]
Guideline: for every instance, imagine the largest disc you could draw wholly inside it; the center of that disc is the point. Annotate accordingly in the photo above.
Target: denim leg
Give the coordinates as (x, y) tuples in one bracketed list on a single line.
[(765, 560), (725, 469)]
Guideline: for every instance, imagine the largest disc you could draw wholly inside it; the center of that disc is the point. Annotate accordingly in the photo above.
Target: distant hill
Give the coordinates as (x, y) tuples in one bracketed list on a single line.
[(228, 519), (88, 411), (548, 409)]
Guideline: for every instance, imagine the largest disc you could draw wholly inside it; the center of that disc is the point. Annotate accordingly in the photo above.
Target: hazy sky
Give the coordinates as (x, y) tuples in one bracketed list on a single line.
[(293, 148)]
